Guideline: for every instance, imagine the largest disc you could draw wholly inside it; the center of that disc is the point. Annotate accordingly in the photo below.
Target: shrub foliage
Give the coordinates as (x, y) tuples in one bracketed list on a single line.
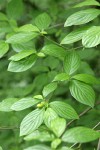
[(49, 76)]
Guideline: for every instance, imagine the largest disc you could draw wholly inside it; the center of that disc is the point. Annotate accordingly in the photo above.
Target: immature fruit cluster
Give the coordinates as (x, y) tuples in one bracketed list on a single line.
[(42, 104)]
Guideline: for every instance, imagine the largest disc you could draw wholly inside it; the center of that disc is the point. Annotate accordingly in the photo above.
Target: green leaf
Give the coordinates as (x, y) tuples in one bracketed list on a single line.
[(15, 9), (88, 54), (82, 93), (40, 97), (58, 126), (22, 54), (91, 38), (64, 110), (24, 103), (31, 122), (54, 50), (80, 135), (61, 77), (23, 46), (88, 3), (5, 27), (28, 28), (74, 36), (49, 115), (43, 21), (22, 65), (51, 62), (4, 47), (21, 37), (3, 17), (71, 62), (87, 78), (82, 17), (55, 143), (85, 68), (42, 136), (38, 147), (6, 104), (49, 89), (1, 148)]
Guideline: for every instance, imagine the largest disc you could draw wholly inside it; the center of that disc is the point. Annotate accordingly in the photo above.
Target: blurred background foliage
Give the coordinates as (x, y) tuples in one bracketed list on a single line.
[(32, 81)]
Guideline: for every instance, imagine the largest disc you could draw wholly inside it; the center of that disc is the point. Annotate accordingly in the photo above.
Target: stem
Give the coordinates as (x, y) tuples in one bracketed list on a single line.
[(61, 45), (9, 128), (56, 25), (96, 125), (98, 148), (55, 42), (82, 113)]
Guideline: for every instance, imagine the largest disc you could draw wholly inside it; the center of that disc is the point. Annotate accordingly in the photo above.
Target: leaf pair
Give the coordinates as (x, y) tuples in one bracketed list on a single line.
[(26, 58), (90, 37), (81, 91), (29, 31), (71, 64), (75, 135), (34, 119), (50, 117), (23, 64), (10, 104), (53, 122)]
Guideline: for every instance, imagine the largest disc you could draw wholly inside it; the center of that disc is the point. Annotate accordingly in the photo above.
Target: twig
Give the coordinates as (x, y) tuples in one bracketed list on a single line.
[(61, 45), (98, 148), (77, 47), (96, 125), (80, 115), (9, 128), (55, 43), (83, 113), (56, 25)]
